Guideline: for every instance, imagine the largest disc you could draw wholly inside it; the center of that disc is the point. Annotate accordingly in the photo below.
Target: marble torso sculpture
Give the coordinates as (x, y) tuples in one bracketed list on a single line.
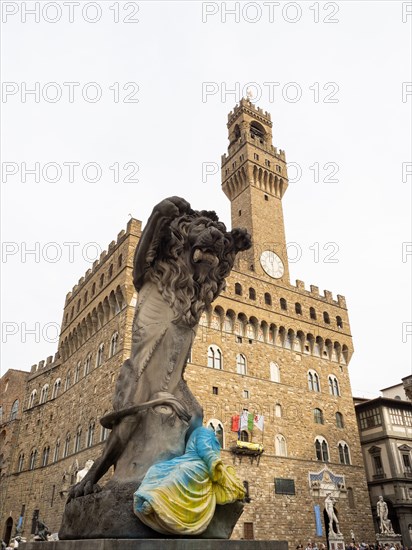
[(329, 502), (385, 524), (180, 266)]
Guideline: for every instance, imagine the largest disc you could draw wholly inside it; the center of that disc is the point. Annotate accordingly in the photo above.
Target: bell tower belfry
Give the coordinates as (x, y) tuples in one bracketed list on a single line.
[(254, 178)]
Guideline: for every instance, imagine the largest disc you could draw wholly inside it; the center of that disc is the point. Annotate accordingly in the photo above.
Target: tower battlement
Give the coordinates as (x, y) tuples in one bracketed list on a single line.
[(246, 106), (133, 227), (44, 365)]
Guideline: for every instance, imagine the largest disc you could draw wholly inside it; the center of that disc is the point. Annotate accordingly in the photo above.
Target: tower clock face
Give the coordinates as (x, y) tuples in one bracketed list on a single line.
[(272, 264)]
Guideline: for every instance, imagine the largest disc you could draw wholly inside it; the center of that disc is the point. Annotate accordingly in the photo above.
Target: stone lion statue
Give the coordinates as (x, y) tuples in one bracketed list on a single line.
[(180, 266)]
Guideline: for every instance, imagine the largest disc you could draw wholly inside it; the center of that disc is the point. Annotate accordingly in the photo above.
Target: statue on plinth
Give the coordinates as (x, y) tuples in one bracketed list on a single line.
[(385, 524), (329, 507), (180, 266)]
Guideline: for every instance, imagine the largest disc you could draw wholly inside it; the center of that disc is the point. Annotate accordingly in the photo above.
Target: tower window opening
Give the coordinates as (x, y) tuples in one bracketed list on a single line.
[(252, 293), (278, 168), (267, 162), (238, 289), (339, 322), (240, 212), (312, 313), (255, 156), (266, 198), (326, 317), (268, 299), (283, 304), (257, 130), (298, 309)]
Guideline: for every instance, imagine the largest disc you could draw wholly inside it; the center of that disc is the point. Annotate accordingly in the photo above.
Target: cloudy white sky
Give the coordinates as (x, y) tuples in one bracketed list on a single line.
[(333, 76)]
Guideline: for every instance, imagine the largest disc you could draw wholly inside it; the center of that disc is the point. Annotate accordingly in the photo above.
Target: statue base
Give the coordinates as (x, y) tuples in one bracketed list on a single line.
[(165, 544), (388, 538), (109, 515), (336, 542)]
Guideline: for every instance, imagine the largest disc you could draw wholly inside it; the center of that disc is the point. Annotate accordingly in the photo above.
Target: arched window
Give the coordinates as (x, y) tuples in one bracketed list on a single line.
[(110, 271), (32, 399), (87, 364), (45, 456), (228, 324), (20, 463), (44, 393), (283, 304), (326, 317), (56, 451), (68, 381), (278, 410), (339, 420), (120, 261), (77, 372), (113, 344), (318, 416), (274, 372), (333, 385), (85, 297), (268, 299), (313, 381), (240, 363), (322, 449), (298, 309), (78, 305), (214, 358), (257, 131), (252, 293), (244, 436), (238, 289), (99, 356), (33, 458), (14, 410), (66, 450), (351, 498), (56, 388), (217, 427), (78, 440), (280, 445), (339, 322), (312, 313), (344, 456), (101, 280), (90, 433), (93, 289)]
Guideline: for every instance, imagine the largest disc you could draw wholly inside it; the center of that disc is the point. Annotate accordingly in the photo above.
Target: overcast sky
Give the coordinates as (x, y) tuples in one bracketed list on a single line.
[(151, 86)]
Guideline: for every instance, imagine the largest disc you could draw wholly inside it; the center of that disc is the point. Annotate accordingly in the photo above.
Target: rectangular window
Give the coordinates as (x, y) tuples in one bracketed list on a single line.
[(284, 486), (248, 531), (378, 465), (407, 463), (215, 390), (370, 418), (407, 416), (245, 394), (396, 416)]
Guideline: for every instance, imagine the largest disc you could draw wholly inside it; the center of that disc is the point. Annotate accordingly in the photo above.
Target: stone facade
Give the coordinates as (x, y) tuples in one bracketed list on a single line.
[(267, 346), (385, 427)]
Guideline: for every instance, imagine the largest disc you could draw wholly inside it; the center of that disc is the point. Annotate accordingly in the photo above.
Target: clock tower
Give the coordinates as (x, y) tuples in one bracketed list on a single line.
[(254, 178)]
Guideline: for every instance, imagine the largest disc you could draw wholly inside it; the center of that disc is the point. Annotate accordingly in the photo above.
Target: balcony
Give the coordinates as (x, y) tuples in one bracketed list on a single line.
[(245, 448), (379, 476)]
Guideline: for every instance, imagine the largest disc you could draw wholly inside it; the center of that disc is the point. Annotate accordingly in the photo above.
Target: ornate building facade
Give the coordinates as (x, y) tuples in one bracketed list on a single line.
[(268, 348), (385, 427)]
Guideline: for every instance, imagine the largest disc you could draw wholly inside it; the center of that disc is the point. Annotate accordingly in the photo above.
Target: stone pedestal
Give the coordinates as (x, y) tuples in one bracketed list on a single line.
[(109, 515), (336, 542), (388, 538), (155, 544)]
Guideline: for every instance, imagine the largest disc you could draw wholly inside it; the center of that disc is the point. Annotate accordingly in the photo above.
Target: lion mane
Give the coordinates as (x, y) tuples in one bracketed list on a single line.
[(173, 270)]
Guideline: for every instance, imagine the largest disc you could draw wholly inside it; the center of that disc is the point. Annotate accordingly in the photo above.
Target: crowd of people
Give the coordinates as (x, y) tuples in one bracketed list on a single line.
[(355, 546)]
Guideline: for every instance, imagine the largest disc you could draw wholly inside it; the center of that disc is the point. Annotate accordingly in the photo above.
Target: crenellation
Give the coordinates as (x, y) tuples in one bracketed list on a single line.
[(300, 285), (120, 235), (341, 301), (49, 360), (328, 296), (33, 368), (103, 255), (41, 364), (80, 281), (314, 290), (111, 245)]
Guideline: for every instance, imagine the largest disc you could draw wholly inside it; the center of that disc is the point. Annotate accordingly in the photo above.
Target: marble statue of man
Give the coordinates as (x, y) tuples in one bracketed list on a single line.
[(329, 502), (382, 513), (81, 473)]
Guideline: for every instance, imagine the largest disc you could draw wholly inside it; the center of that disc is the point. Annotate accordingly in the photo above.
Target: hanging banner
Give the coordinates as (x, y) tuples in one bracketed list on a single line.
[(318, 521)]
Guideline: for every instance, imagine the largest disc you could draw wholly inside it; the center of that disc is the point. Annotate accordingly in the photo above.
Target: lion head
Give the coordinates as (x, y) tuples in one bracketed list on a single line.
[(195, 255)]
